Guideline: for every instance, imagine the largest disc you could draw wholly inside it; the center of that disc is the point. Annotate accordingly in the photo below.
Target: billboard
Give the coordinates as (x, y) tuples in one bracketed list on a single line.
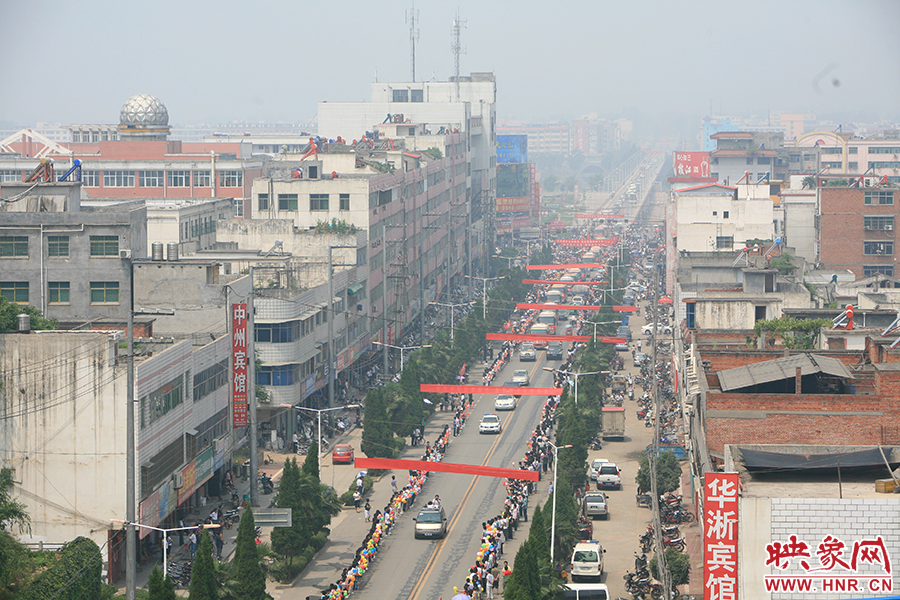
[(720, 535), (691, 164), (514, 180), (512, 149), (240, 383), (513, 205)]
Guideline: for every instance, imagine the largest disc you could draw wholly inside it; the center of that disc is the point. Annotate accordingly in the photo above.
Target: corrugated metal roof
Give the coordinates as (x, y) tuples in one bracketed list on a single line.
[(781, 368)]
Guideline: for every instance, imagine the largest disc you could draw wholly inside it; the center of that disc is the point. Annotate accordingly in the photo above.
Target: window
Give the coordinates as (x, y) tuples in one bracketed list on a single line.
[(318, 202), (277, 375), (878, 248), (118, 179), (870, 270), (878, 223), (104, 292), (417, 96), (15, 291), (210, 379), (104, 245), (238, 204), (90, 178), (231, 178), (156, 404), (715, 212), (151, 178), (13, 245), (313, 172), (57, 246), (179, 178), (59, 292), (287, 201), (401, 95), (690, 315), (277, 333), (724, 214), (750, 161), (879, 197), (345, 201), (263, 202), (725, 242), (201, 178)]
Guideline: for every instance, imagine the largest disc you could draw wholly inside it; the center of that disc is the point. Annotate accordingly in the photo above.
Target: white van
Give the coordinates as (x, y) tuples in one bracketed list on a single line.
[(584, 591), (587, 561)]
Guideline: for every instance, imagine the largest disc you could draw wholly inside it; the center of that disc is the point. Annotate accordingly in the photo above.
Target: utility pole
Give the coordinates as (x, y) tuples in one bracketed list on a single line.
[(412, 17), (130, 495), (663, 569)]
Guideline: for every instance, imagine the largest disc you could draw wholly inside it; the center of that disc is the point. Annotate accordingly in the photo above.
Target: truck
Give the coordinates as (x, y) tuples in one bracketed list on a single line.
[(613, 422)]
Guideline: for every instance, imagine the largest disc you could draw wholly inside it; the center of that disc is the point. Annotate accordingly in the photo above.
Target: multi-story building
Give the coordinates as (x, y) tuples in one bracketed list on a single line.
[(754, 154), (856, 229), (63, 435), (137, 160), (74, 265), (714, 217), (552, 137), (411, 200), (844, 154)]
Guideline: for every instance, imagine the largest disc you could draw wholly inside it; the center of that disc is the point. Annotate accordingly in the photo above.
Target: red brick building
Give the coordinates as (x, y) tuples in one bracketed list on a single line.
[(857, 229)]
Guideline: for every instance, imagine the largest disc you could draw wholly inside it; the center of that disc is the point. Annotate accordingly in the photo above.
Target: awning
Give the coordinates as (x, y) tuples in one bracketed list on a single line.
[(665, 300), (779, 369), (760, 459), (356, 288)]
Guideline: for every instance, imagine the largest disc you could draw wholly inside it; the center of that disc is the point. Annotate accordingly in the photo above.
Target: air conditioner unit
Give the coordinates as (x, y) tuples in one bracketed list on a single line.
[(178, 481), (125, 253)]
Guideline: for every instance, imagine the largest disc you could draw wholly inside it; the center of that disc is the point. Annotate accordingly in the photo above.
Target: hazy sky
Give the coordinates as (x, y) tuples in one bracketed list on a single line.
[(78, 62)]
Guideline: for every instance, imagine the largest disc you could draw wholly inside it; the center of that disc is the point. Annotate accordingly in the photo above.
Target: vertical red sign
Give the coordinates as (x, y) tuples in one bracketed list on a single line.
[(239, 364), (720, 536)]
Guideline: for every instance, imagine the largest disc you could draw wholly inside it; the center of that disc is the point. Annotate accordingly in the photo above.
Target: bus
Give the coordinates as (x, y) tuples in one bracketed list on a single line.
[(548, 318), (556, 295), (539, 329)]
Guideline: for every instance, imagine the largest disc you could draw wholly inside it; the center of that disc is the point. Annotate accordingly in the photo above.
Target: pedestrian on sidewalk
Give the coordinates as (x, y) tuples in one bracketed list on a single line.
[(368, 511), (394, 484), (356, 498), (217, 538), (181, 533), (193, 540)]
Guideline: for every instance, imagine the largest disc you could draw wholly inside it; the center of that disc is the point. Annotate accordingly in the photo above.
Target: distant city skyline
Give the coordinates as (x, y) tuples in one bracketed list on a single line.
[(78, 63)]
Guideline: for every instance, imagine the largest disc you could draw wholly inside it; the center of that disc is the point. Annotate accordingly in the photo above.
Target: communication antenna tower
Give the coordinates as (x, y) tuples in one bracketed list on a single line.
[(412, 17), (456, 48)]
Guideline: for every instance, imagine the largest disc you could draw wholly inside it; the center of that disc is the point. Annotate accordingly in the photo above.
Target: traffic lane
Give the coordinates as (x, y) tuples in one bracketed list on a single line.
[(402, 561), (485, 502)]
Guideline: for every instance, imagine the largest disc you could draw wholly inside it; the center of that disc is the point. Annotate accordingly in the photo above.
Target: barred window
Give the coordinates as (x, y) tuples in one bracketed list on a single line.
[(318, 202), (57, 246), (104, 292), (104, 245), (13, 245)]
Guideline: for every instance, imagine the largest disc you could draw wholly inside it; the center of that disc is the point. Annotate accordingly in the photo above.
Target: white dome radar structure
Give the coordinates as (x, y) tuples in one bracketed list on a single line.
[(144, 117)]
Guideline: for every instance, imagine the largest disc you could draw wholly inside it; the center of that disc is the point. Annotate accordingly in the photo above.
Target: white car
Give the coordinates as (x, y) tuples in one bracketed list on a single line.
[(490, 423), (595, 466), (520, 376), (526, 351), (609, 477), (649, 327), (505, 402)]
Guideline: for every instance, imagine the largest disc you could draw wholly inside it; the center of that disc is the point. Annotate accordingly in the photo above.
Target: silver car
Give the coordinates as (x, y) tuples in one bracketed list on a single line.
[(520, 376), (490, 424), (431, 523)]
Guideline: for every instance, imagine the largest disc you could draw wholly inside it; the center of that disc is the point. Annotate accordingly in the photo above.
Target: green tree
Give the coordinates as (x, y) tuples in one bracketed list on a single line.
[(377, 436), (9, 312), (810, 182), (160, 588), (16, 566), (678, 563), (311, 464), (290, 542), (668, 473), (75, 575), (250, 581), (524, 583), (203, 578), (11, 511)]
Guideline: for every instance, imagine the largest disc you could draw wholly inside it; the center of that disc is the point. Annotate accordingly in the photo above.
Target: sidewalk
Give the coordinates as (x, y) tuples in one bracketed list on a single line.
[(349, 527)]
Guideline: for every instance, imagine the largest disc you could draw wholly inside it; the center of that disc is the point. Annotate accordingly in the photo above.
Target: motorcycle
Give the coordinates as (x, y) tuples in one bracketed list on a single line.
[(266, 483)]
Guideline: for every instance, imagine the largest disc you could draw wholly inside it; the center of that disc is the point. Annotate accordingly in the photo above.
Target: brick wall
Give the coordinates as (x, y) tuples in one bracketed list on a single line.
[(764, 426), (842, 231), (849, 520)]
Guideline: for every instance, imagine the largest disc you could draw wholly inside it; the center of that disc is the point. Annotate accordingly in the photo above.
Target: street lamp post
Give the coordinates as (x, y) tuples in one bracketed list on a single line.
[(319, 411), (599, 323), (401, 349), (577, 375), (556, 450), (166, 536), (451, 306), (484, 281)]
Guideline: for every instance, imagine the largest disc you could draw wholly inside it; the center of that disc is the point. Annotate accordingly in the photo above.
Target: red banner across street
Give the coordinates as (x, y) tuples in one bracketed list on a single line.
[(599, 216), (522, 337), (526, 306), (556, 282), (442, 388), (443, 467), (571, 266)]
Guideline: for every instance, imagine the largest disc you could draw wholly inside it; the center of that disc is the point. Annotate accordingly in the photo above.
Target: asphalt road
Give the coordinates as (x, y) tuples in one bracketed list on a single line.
[(411, 569)]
